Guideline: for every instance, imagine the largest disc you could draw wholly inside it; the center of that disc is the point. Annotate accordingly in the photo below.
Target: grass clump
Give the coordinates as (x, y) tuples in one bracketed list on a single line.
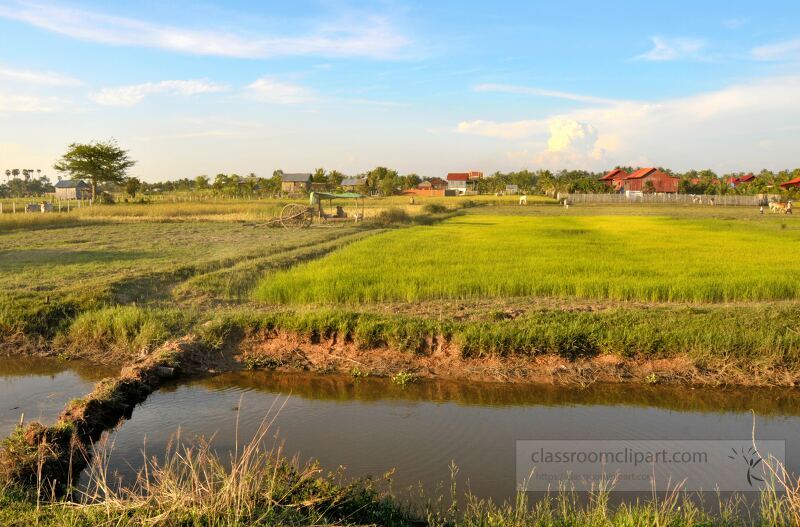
[(404, 378), (434, 208), (124, 329), (392, 216)]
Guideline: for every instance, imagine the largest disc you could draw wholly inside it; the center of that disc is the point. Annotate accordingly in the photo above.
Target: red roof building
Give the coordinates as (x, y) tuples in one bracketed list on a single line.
[(614, 178), (792, 183), (463, 182), (433, 183), (661, 181), (458, 176), (735, 181)]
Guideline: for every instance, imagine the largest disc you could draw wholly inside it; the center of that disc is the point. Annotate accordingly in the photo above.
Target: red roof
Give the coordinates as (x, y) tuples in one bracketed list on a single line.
[(458, 176), (614, 174), (642, 172), (747, 177), (791, 183)]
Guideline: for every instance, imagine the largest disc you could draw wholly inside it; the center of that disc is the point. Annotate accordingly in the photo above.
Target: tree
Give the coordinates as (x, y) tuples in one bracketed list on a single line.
[(319, 176), (132, 186), (98, 161), (201, 182)]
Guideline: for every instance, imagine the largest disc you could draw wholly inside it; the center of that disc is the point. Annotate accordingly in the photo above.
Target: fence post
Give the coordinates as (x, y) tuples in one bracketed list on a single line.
[(13, 207)]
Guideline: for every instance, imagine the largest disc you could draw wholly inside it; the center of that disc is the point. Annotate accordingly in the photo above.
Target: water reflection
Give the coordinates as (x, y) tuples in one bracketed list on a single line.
[(371, 426), (38, 388)]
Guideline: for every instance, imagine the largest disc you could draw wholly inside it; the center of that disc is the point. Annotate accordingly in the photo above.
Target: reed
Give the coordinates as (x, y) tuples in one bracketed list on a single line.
[(191, 483)]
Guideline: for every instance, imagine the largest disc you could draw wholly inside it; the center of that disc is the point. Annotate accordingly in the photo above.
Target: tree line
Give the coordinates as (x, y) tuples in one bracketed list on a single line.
[(105, 166)]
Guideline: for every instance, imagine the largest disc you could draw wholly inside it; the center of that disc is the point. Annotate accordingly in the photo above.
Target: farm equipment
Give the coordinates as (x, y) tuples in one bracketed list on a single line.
[(297, 216)]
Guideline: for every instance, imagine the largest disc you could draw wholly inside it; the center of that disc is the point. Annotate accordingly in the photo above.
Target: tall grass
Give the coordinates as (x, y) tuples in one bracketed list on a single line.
[(193, 484), (123, 330), (650, 259)]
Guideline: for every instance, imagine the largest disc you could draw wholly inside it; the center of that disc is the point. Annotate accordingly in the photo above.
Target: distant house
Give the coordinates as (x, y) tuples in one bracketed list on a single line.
[(293, 183), (512, 189), (660, 182), (319, 186), (463, 182), (73, 189), (740, 180), (436, 183), (353, 184), (457, 182), (792, 183), (614, 178)]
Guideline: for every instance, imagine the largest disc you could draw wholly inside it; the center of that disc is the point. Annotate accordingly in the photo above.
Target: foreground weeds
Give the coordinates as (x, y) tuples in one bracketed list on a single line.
[(191, 484)]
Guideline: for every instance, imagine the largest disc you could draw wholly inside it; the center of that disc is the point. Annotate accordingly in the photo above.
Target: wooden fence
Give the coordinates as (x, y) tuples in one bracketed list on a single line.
[(679, 199)]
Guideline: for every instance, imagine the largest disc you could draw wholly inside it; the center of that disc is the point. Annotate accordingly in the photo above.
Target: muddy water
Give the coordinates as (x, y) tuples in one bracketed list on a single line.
[(370, 426), (38, 389)]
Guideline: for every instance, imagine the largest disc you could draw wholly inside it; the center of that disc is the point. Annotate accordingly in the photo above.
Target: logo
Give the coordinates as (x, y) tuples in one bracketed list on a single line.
[(751, 459)]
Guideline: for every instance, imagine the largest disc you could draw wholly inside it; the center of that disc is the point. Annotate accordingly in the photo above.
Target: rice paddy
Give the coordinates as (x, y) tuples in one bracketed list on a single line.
[(619, 258)]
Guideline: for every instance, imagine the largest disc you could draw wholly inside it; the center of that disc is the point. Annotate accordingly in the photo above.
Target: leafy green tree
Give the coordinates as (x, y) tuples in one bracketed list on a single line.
[(201, 182), (132, 186), (319, 176), (335, 178), (98, 161)]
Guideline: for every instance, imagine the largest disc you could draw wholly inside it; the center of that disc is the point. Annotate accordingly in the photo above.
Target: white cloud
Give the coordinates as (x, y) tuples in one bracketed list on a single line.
[(134, 93), (726, 127), (365, 36), (789, 49), (568, 135), (527, 90), (271, 90), (26, 104), (504, 130), (673, 48), (38, 77)]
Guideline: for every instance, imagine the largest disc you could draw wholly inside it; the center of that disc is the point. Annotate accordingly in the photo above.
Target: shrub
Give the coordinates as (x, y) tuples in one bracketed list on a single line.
[(434, 208), (392, 216)]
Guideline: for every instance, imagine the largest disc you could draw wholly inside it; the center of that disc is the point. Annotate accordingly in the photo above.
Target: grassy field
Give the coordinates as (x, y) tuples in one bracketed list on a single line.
[(177, 208), (641, 258), (54, 272), (716, 287)]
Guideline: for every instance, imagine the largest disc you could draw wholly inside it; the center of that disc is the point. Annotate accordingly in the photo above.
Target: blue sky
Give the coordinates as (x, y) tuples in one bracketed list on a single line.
[(428, 87)]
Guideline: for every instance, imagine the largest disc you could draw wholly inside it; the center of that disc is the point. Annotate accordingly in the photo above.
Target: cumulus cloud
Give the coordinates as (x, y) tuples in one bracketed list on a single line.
[(134, 93), (44, 78), (719, 128), (366, 36), (267, 89), (569, 135), (665, 49)]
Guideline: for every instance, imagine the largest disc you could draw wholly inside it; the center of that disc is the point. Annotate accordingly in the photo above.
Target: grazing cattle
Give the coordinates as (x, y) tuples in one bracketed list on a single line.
[(777, 206)]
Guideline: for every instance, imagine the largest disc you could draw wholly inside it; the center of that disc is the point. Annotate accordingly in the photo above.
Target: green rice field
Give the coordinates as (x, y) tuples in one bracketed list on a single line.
[(612, 257)]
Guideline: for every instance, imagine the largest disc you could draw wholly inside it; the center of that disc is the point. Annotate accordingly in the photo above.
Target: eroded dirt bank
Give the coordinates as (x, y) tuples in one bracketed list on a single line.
[(283, 351)]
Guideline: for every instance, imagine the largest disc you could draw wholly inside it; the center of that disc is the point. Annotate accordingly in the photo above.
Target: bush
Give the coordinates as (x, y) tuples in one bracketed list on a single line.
[(434, 208), (392, 216)]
